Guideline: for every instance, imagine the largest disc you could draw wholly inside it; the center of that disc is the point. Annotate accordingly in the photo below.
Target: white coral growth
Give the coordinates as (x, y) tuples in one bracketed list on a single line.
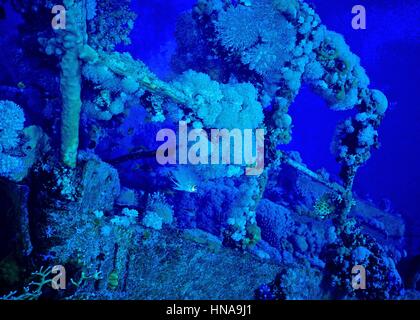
[(11, 124)]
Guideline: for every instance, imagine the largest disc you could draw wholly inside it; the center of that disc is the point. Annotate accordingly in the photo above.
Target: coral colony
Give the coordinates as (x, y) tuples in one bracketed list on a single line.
[(143, 188)]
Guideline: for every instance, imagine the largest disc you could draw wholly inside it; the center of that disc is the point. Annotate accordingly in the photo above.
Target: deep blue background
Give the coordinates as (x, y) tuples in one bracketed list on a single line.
[(389, 50)]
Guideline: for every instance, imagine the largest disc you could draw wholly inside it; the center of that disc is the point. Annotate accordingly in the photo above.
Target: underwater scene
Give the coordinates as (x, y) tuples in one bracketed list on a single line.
[(209, 150)]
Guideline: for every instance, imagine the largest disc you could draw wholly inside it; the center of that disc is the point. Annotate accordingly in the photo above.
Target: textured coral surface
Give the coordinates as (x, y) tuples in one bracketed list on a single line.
[(160, 151)]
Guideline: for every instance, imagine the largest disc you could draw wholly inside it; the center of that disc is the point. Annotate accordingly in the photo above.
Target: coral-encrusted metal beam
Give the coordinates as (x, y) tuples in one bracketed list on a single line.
[(73, 37)]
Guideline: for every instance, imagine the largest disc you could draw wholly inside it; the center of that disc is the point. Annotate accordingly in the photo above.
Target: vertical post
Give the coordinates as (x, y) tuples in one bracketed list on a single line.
[(74, 36)]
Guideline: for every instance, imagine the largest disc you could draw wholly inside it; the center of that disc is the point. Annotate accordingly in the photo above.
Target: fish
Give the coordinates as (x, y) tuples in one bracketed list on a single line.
[(21, 85)]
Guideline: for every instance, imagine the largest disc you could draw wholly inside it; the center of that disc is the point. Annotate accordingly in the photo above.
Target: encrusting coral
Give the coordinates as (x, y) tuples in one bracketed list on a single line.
[(71, 40), (254, 58), (20, 147)]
